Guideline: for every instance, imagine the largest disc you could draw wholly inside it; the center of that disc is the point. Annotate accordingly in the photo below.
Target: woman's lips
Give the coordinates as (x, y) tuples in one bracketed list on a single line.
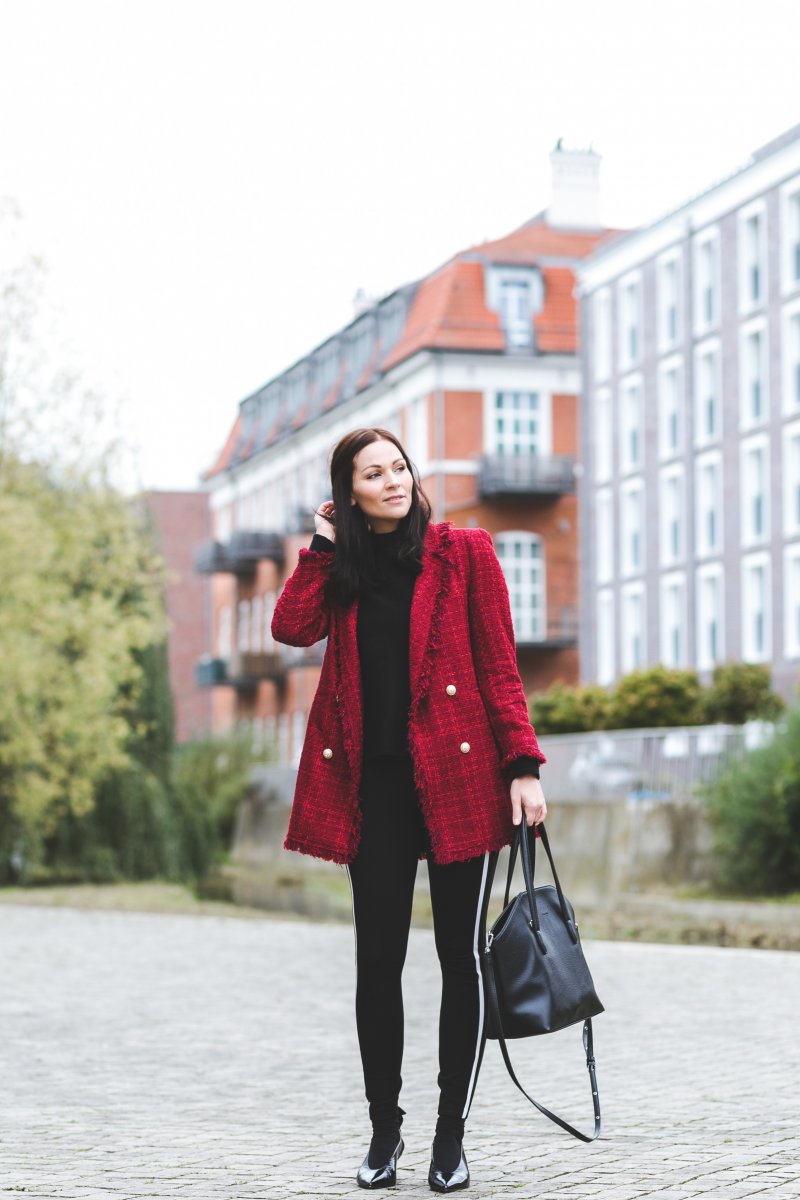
[(395, 500)]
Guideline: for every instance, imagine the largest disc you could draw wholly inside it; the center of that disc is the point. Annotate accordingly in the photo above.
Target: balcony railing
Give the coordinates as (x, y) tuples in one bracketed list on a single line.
[(241, 554), (559, 632), (244, 669), (502, 475)]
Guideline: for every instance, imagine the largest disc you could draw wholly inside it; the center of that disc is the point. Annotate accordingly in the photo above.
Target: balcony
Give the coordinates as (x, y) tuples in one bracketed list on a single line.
[(511, 476), (243, 670), (560, 633), (241, 554)]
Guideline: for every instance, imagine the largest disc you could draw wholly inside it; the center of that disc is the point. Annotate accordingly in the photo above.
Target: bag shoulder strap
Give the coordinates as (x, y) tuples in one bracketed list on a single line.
[(588, 1045)]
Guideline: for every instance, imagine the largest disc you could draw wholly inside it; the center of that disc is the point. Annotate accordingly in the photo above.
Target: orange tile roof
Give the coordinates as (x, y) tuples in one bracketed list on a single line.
[(226, 453)]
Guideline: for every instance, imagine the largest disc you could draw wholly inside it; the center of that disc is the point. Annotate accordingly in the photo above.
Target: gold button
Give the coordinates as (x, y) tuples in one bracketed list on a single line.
[(451, 689), (327, 753), (465, 747)]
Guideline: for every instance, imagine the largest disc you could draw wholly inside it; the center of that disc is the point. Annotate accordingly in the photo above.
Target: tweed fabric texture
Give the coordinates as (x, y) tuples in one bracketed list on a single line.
[(461, 636)]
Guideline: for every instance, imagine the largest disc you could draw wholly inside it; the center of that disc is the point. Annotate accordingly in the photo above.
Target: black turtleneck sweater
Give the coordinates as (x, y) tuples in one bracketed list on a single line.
[(384, 614)]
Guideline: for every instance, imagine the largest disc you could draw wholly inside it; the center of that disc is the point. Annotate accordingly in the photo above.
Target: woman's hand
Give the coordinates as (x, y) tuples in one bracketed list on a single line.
[(322, 523), (527, 796)]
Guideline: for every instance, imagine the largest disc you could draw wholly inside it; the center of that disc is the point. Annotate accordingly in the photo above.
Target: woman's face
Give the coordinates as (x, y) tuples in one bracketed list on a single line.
[(382, 485)]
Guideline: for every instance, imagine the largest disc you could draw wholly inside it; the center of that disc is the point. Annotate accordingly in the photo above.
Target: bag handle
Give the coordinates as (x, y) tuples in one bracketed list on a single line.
[(588, 1045), (525, 840)]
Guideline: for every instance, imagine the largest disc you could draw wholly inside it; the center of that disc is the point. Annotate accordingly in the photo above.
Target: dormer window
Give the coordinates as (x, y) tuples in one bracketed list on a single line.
[(515, 294)]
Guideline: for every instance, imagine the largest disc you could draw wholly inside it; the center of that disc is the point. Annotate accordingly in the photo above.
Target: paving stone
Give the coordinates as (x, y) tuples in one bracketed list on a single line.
[(147, 1055)]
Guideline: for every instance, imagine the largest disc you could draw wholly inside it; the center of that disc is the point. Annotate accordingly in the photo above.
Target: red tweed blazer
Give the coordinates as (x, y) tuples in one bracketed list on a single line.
[(468, 717)]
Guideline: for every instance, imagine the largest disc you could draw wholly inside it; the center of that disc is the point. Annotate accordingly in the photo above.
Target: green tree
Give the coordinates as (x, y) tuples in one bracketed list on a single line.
[(563, 709), (741, 692), (656, 697)]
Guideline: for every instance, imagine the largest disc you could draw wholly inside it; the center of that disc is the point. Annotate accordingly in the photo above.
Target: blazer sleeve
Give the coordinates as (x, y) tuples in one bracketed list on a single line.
[(495, 655), (301, 614)]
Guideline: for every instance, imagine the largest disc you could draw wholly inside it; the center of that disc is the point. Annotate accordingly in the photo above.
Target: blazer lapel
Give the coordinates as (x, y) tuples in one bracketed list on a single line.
[(426, 605)]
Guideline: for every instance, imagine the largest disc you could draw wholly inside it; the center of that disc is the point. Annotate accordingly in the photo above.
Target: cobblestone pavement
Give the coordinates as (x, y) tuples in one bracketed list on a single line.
[(146, 1055)]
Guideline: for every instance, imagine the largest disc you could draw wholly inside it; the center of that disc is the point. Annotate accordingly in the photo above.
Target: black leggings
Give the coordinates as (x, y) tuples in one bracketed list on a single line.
[(393, 835)]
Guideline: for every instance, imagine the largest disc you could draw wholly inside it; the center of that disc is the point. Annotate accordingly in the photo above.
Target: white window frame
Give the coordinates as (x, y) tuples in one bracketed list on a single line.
[(668, 556), (602, 335), (757, 444), (606, 637), (790, 357), (267, 640), (791, 601), (705, 658), (604, 535), (672, 259), (225, 631), (702, 547), (630, 284), (790, 224), (603, 435), (628, 660), (754, 328), (791, 479), (298, 722), (757, 211), (675, 579), (703, 351), (243, 620), (630, 386), (530, 621), (670, 367), (751, 652), (493, 441), (628, 566), (702, 322), (417, 426)]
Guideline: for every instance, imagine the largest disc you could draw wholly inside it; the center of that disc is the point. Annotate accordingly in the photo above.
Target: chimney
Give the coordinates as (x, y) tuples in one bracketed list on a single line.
[(575, 202)]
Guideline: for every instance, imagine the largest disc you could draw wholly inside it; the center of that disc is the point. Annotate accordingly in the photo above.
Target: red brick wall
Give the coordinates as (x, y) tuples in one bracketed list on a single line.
[(181, 521)]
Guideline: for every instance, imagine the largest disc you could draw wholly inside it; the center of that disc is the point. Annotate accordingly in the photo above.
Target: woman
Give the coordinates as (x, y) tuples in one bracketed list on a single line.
[(418, 744)]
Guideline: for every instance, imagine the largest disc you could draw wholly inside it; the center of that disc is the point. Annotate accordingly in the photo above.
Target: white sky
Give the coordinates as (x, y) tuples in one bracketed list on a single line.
[(209, 183)]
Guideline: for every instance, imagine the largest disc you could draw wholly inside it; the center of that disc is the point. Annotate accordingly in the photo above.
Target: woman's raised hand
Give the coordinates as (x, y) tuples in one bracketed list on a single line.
[(322, 520), (527, 796)]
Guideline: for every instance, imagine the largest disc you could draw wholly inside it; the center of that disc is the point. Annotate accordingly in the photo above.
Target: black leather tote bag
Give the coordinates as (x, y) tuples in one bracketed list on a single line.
[(536, 979)]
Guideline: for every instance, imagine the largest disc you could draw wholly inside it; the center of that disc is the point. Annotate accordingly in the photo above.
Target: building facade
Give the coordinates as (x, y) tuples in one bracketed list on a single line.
[(180, 521), (690, 482), (475, 368)]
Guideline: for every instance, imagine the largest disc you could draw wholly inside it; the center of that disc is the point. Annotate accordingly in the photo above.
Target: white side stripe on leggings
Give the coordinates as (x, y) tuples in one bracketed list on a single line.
[(477, 952)]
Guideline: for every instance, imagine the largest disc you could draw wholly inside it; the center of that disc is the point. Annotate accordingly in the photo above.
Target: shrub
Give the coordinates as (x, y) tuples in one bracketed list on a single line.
[(655, 697), (754, 806), (740, 692), (563, 709)]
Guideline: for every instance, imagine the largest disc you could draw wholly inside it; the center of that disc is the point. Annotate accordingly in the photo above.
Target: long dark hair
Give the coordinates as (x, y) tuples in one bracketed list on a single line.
[(354, 565)]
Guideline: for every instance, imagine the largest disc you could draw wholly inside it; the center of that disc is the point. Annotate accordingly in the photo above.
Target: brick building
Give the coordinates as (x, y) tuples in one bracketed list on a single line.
[(690, 489), (181, 521), (475, 368)]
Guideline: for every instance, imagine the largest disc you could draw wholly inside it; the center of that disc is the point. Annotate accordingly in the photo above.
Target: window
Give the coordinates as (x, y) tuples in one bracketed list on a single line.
[(225, 633), (632, 518), (605, 536), (710, 649), (606, 640), (602, 335), (791, 603), (632, 627), (752, 256), (706, 281), (670, 432), (418, 431), (283, 737), (753, 375), (706, 394), (754, 493), (791, 236), (630, 321), (298, 730), (708, 505), (515, 312), (631, 450), (256, 621), (791, 358), (672, 516), (520, 556), (243, 626), (517, 423), (603, 437), (268, 641), (791, 479), (669, 285), (755, 609), (673, 621)]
